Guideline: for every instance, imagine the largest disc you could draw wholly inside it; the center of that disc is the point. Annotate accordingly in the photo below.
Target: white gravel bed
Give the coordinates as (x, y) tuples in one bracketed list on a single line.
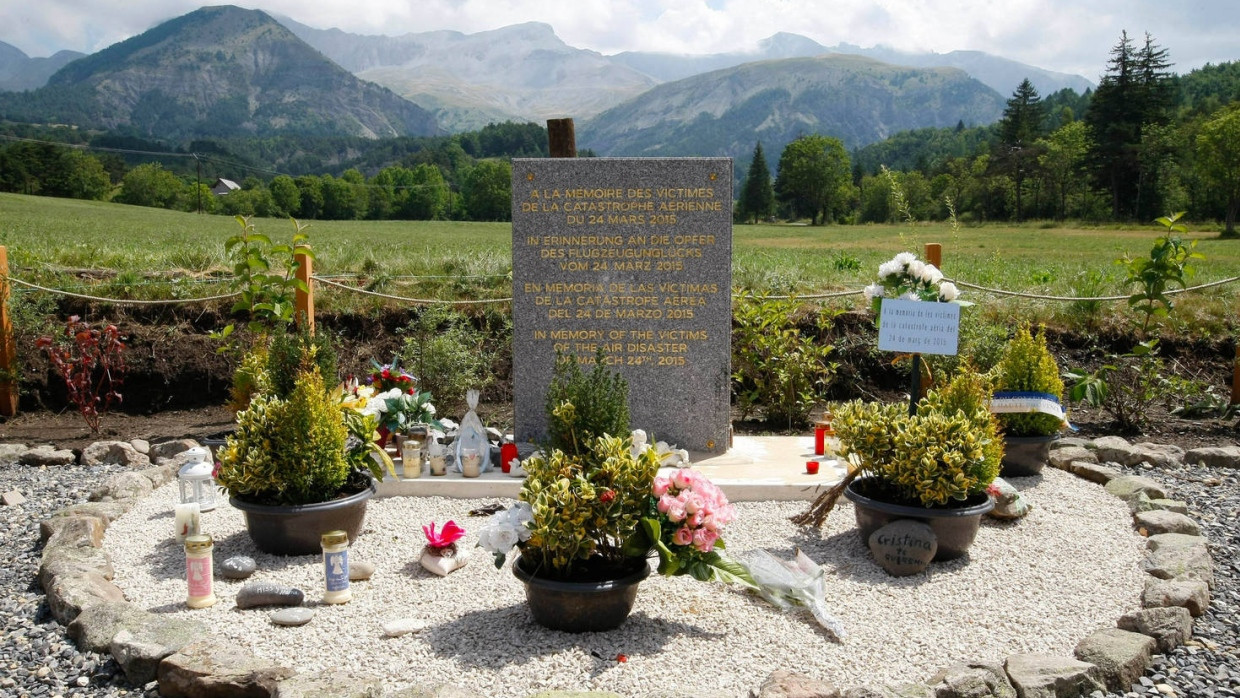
[(1037, 585)]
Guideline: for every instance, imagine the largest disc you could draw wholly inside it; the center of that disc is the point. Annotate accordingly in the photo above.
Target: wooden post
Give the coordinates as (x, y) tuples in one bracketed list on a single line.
[(561, 138), (305, 299), (1235, 374), (8, 356), (934, 254)]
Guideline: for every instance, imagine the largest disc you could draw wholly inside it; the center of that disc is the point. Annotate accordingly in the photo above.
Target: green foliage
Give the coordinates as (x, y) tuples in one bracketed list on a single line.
[(152, 185), (288, 354), (757, 199), (268, 295), (1218, 158), (587, 503), (1126, 388), (582, 407), (251, 377), (288, 451), (1168, 264), (1027, 365), (815, 177), (448, 354), (948, 451), (777, 367), (486, 191)]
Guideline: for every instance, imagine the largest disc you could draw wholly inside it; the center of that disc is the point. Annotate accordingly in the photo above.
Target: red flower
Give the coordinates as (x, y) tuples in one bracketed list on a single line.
[(449, 534), (606, 497), (622, 658), (386, 373)]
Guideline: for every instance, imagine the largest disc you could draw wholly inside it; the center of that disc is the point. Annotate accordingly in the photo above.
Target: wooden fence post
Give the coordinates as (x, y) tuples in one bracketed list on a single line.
[(1235, 375), (934, 254), (8, 354), (561, 138), (305, 299)]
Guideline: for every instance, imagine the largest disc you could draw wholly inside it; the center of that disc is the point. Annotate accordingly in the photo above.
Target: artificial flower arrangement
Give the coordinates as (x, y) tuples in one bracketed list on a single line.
[(592, 502), (440, 555), (907, 278), (386, 377), (393, 398)]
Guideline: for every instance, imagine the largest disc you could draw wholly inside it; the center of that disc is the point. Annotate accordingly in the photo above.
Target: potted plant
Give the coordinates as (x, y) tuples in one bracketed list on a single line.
[(592, 509), (933, 466), (1027, 381), (300, 463)]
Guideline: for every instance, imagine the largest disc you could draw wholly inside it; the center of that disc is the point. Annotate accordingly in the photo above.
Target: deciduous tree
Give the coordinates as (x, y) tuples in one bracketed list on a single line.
[(814, 173)]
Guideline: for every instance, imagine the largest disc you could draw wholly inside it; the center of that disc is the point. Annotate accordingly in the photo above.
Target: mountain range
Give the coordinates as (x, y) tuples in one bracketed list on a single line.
[(226, 71), (21, 72), (217, 71)]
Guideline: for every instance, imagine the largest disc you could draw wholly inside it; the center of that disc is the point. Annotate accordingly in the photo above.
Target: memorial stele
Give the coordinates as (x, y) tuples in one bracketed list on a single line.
[(633, 255)]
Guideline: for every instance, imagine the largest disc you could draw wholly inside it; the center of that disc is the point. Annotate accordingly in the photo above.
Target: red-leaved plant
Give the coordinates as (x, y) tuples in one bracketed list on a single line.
[(91, 364)]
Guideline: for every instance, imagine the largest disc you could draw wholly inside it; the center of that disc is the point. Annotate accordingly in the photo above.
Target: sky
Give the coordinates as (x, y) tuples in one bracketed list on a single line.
[(1070, 36)]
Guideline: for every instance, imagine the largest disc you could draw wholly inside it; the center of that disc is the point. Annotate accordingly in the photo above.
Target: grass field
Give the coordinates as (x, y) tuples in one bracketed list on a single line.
[(51, 241)]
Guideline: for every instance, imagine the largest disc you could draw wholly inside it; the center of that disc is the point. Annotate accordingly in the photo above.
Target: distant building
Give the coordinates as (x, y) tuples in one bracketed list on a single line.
[(223, 186)]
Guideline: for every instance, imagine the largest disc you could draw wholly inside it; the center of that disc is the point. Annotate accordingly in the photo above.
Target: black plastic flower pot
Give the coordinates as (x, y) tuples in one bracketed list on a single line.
[(584, 606), (295, 530), (955, 525), (1026, 455)]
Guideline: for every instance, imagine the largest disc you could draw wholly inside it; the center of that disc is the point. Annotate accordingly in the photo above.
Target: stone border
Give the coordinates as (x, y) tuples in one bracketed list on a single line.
[(76, 575)]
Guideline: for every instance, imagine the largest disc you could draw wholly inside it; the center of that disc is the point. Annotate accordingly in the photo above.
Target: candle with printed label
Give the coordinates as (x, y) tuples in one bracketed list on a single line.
[(336, 567)]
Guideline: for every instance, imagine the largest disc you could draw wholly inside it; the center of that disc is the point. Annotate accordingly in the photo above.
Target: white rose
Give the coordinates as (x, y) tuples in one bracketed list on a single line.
[(915, 268), (948, 291), (502, 540), (889, 269)]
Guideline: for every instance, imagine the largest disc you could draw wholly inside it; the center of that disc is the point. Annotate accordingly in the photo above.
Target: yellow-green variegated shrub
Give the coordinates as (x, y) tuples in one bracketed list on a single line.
[(1028, 365), (946, 452)]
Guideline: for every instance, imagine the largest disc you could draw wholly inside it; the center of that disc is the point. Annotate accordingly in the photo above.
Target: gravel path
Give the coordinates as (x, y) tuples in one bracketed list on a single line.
[(1037, 585)]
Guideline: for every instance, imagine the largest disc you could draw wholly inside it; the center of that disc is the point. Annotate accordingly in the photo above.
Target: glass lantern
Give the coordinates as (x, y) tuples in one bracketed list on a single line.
[(195, 481)]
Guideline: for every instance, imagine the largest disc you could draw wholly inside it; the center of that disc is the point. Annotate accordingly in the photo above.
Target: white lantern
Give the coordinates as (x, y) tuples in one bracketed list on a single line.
[(195, 481)]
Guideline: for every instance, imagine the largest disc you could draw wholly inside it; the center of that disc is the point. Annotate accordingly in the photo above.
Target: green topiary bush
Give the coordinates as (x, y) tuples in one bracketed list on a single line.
[(1027, 365), (584, 406)]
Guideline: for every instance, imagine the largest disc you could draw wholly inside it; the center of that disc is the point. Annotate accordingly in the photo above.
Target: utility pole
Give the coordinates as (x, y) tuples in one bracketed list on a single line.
[(199, 182)]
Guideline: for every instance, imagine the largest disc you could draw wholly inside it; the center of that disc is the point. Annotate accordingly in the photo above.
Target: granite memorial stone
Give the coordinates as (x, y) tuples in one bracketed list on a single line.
[(633, 256)]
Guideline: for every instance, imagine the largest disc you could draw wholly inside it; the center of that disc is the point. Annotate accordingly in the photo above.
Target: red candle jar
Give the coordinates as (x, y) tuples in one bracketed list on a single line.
[(507, 454), (811, 467)]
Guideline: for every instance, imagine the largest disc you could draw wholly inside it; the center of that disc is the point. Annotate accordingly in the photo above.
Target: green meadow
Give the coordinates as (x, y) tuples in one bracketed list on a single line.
[(115, 250)]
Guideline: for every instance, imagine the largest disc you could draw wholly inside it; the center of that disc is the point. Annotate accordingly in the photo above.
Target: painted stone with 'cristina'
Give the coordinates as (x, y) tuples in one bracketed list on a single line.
[(904, 547)]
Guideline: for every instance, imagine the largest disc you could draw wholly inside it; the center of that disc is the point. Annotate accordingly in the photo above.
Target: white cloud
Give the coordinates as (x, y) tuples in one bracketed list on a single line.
[(1066, 35)]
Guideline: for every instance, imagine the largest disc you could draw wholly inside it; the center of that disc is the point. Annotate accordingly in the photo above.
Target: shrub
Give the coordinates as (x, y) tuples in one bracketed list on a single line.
[(447, 354), (91, 363), (584, 406), (1027, 365), (251, 378), (776, 366), (287, 353)]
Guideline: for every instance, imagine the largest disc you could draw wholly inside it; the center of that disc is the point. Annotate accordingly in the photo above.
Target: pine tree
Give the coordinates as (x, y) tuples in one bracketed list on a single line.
[(1019, 130), (757, 195)]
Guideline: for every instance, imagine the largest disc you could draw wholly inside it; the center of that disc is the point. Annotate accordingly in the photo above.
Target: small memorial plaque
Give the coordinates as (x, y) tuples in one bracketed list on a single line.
[(919, 327), (633, 256)]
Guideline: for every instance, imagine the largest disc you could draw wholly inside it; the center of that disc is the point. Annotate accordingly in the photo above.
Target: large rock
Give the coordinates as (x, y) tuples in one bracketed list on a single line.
[(1115, 449), (904, 690), (1061, 457), (1094, 472), (1160, 455), (1141, 502), (1128, 486), (74, 531), (1180, 563), (1193, 594), (94, 627), (12, 453), (1121, 656), (139, 650), (47, 455), (114, 453), (12, 498), (1215, 456), (104, 511), (171, 449), (1159, 521), (903, 547), (322, 684), (1051, 676), (1170, 626), (159, 475), (70, 593), (67, 561), (215, 668), (786, 684), (1159, 541), (121, 486), (976, 680)]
